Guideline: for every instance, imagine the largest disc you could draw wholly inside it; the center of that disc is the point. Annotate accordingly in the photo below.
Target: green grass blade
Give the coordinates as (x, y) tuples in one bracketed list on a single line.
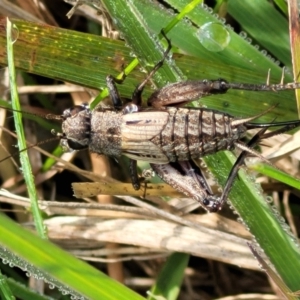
[(48, 262), (280, 285), (263, 14), (5, 290), (170, 277), (23, 292), (25, 163), (282, 5), (270, 232), (276, 174)]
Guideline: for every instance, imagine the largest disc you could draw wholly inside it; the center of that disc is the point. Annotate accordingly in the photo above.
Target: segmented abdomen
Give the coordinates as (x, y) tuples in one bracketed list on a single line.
[(192, 133)]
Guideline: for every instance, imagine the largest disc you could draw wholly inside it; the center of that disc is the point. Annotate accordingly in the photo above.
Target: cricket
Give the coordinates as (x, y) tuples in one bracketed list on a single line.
[(167, 135)]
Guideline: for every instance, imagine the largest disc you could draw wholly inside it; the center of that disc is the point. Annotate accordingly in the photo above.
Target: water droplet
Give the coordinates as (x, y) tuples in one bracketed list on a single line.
[(264, 52), (222, 20), (115, 21), (210, 10), (248, 40), (14, 33), (269, 199), (187, 21), (203, 165), (240, 220), (243, 34), (229, 27), (132, 54), (214, 36)]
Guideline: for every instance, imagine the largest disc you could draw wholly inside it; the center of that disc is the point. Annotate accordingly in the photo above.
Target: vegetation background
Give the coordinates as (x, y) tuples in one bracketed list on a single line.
[(167, 246)]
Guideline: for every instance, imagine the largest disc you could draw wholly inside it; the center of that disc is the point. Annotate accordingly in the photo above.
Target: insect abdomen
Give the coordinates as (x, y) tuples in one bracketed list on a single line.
[(192, 133)]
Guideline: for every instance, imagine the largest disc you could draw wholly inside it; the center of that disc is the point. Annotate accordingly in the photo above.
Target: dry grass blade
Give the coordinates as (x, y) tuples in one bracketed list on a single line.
[(91, 189), (208, 243)]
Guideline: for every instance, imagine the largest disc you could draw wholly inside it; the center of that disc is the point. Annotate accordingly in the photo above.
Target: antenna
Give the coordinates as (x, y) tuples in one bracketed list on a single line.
[(43, 116), (57, 137)]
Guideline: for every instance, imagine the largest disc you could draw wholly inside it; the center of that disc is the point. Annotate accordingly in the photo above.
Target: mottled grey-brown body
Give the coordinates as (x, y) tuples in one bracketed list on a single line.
[(167, 137), (156, 136), (192, 133), (100, 131)]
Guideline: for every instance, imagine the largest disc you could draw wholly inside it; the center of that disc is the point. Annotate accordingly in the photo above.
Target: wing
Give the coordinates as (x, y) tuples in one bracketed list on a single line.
[(137, 130)]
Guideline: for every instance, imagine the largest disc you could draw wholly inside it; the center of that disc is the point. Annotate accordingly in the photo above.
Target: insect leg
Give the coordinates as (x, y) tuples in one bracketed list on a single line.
[(261, 135), (113, 91), (137, 94), (186, 179), (191, 169), (134, 174), (239, 162), (180, 93), (287, 125)]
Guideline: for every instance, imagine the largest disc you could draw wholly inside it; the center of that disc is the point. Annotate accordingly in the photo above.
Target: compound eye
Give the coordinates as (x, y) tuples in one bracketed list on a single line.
[(206, 202), (75, 145)]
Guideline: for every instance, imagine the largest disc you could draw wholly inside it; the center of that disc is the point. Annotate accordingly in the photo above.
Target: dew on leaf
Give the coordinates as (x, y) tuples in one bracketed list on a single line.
[(214, 36)]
